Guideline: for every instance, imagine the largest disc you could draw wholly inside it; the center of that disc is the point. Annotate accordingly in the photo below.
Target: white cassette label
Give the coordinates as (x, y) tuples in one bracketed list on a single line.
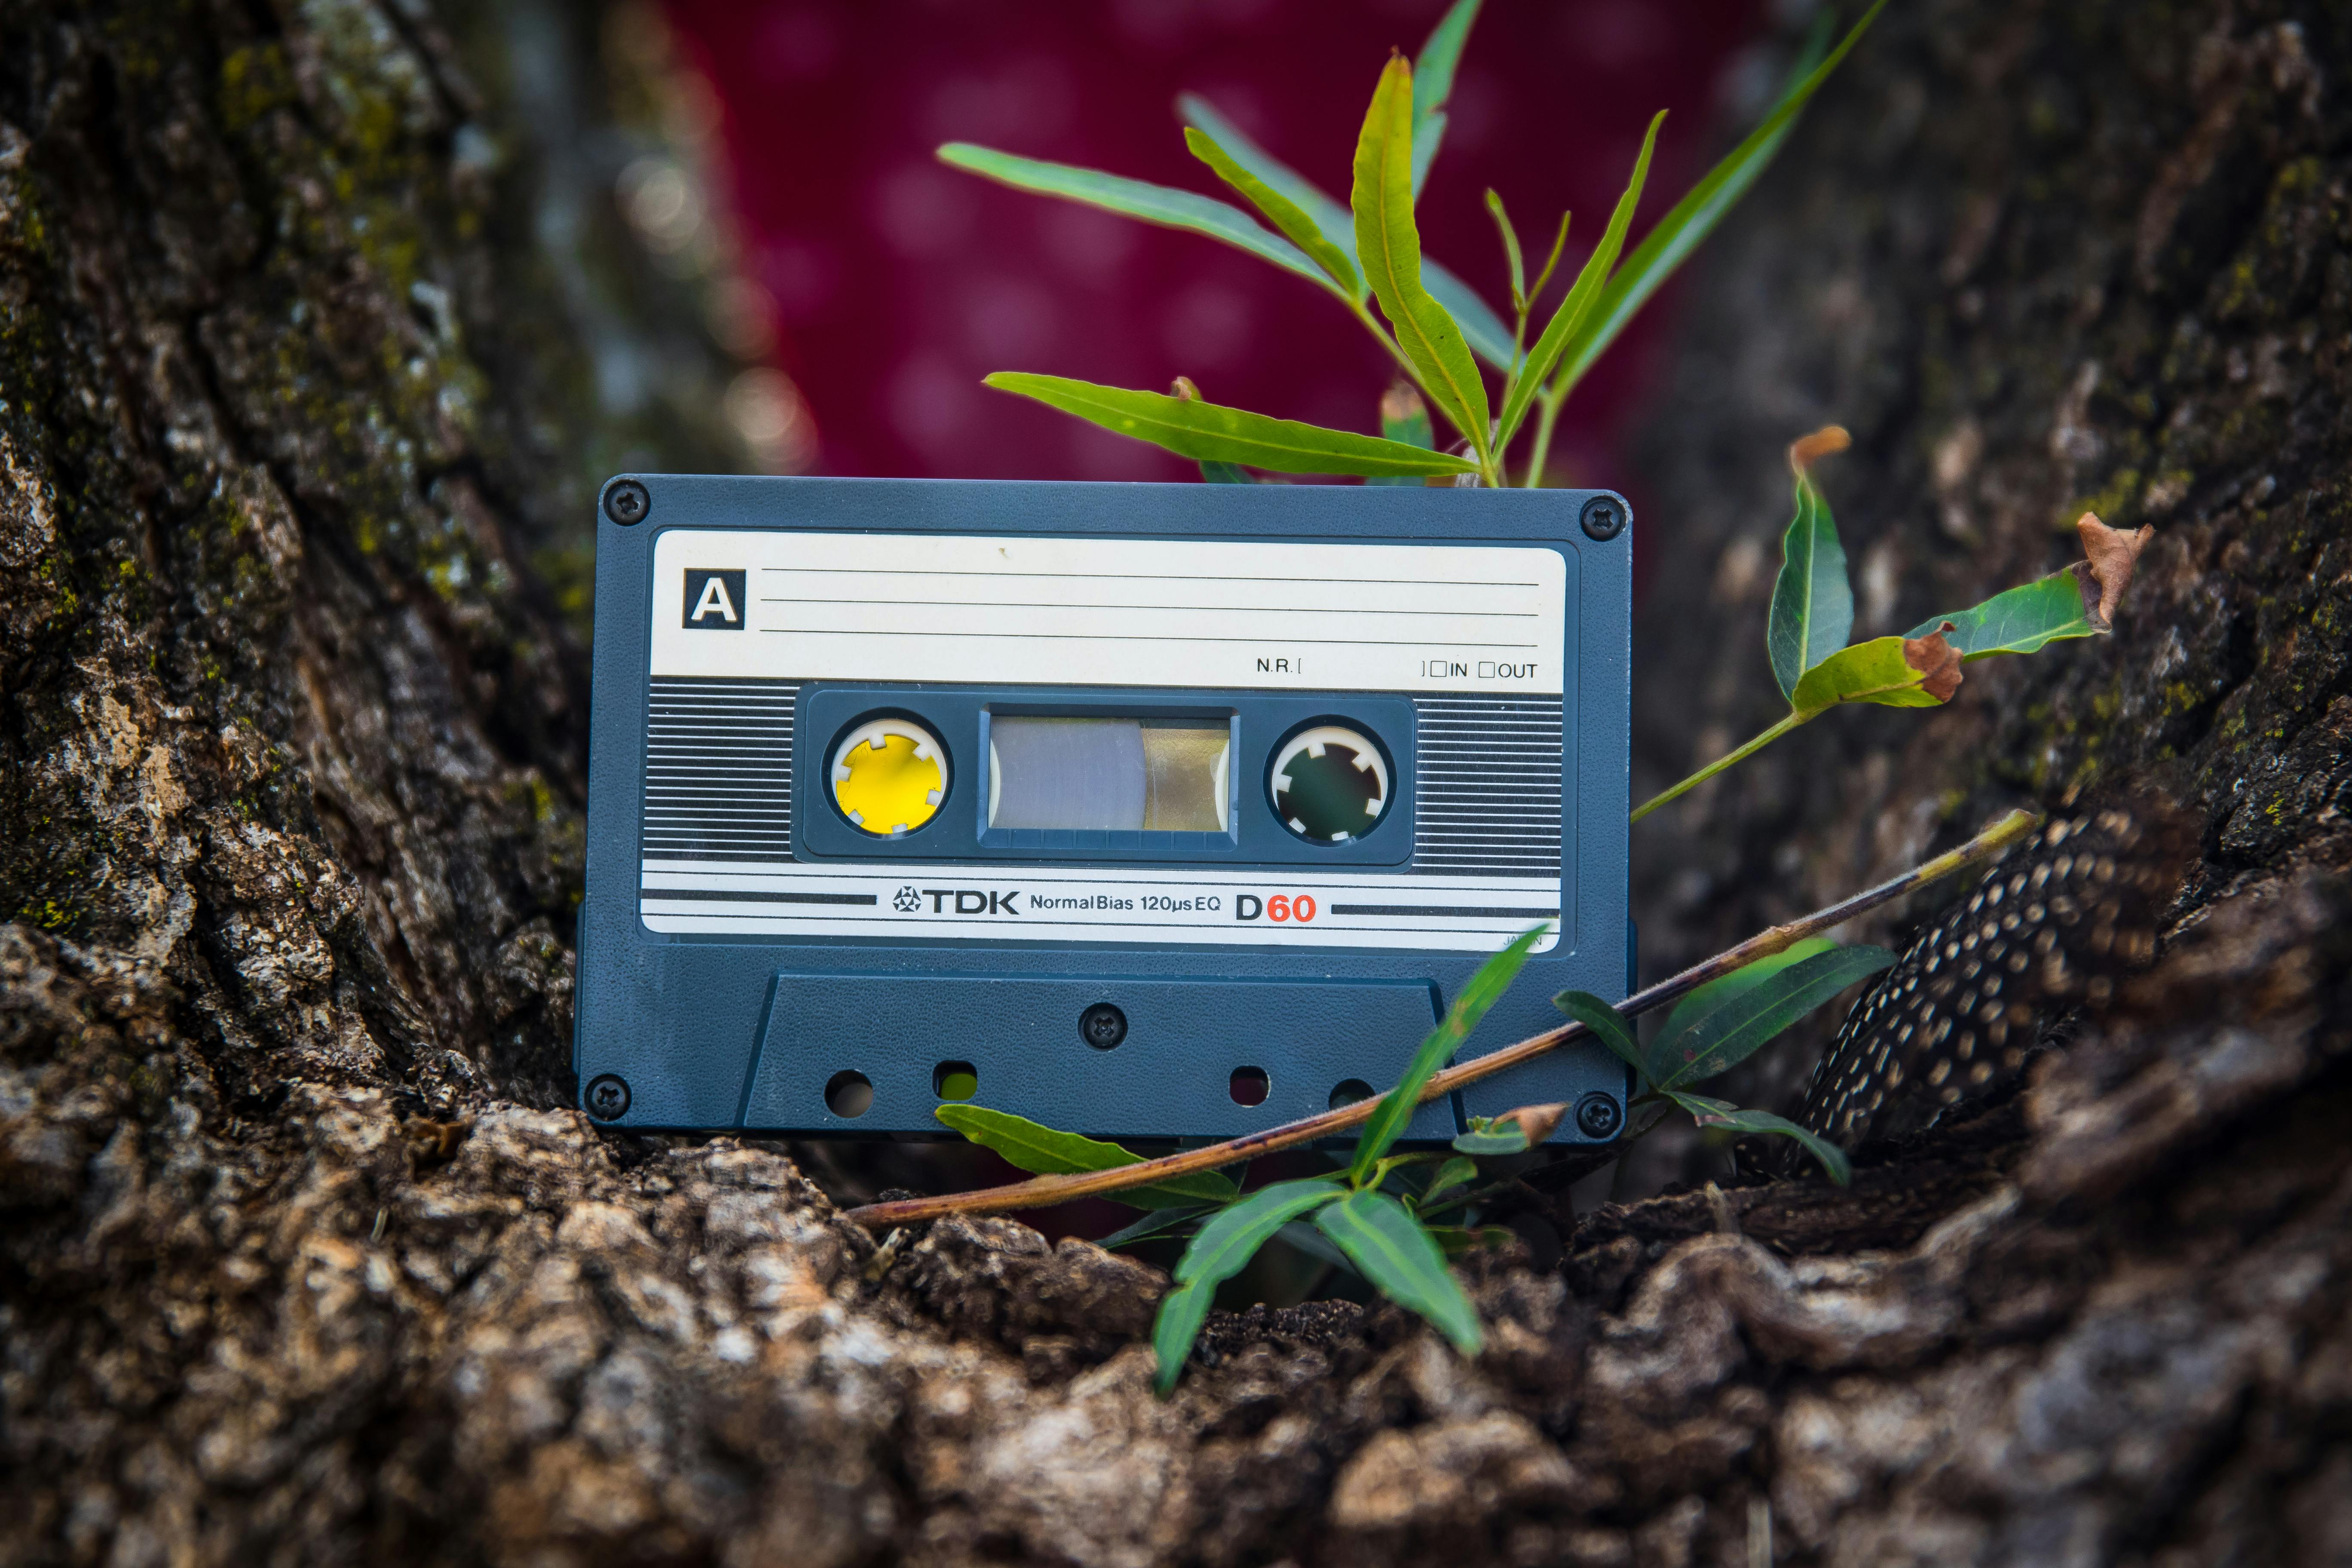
[(1032, 610)]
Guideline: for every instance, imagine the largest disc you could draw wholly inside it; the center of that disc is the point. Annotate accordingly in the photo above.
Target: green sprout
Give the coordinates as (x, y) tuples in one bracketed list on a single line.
[(1445, 340)]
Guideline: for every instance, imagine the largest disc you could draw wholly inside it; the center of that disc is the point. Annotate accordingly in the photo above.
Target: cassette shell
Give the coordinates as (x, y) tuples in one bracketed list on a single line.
[(745, 1027)]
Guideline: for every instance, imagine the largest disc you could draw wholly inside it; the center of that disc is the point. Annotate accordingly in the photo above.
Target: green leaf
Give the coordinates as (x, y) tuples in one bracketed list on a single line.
[(1050, 1152), (1161, 205), (1489, 336), (1872, 671), (1724, 1114), (1181, 1313), (1210, 432), (1517, 263), (1715, 993), (1608, 1025), (2023, 620), (1224, 474), (1454, 1173), (1488, 1145), (1812, 603), (1562, 330), (1388, 244), (1286, 215), (1693, 219), (1225, 1245), (1157, 1223), (1739, 1026), (1389, 1248), (1480, 992), (1433, 76)]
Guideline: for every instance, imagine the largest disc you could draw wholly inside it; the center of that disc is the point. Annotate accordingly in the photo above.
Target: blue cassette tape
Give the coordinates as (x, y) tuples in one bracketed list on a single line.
[(1172, 811)]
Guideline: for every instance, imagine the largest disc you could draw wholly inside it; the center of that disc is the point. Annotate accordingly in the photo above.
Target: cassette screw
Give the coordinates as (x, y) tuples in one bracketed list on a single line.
[(626, 503), (1102, 1025), (1597, 1116), (1603, 518), (608, 1098)]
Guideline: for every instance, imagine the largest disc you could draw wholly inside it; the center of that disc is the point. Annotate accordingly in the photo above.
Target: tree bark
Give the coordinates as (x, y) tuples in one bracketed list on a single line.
[(304, 1258)]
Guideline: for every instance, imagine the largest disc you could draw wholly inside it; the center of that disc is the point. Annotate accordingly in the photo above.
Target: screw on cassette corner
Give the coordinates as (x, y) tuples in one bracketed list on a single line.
[(1602, 519), (626, 503), (1599, 1116), (607, 1098)]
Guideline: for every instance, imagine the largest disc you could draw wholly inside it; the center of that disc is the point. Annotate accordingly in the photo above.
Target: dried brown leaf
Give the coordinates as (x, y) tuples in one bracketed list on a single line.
[(1806, 450), (1401, 403), (1938, 661), (1538, 1121), (2112, 554)]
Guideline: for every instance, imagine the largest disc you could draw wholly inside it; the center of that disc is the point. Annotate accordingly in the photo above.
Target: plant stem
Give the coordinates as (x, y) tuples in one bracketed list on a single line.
[(1791, 722), (1039, 1192), (1549, 399)]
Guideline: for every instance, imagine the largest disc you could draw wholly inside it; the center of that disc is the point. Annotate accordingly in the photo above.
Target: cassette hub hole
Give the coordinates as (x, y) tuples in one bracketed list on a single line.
[(1330, 784), (955, 1081), (1250, 1086), (849, 1093), (889, 776), (1349, 1092), (1102, 1025)]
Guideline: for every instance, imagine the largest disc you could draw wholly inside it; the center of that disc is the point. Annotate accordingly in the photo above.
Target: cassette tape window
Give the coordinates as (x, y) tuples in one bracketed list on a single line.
[(1158, 775)]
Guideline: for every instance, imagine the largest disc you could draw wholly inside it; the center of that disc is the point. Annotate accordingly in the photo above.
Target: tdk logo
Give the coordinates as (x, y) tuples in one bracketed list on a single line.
[(714, 600), (966, 900)]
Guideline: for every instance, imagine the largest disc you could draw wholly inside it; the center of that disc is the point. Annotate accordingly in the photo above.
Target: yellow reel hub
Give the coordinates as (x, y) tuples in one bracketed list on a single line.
[(889, 776)]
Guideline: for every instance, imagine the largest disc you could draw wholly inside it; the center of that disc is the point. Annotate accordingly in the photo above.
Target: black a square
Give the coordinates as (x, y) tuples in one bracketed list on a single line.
[(714, 601)]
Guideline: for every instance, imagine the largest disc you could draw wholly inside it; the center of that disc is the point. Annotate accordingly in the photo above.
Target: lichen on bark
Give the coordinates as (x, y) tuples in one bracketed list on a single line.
[(303, 1255)]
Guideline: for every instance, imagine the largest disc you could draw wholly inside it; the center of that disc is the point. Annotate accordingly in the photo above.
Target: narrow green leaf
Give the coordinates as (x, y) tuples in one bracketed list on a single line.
[(1391, 1249), (1224, 1245), (1740, 1025), (1480, 992), (1157, 1223), (1210, 432), (1051, 1153), (1488, 1145), (1716, 992), (1181, 1313), (1608, 1025), (1301, 1236), (1233, 1236), (1489, 334), (1454, 1173), (1562, 330), (1694, 218), (1139, 199), (1812, 602), (2024, 619), (1224, 474), (1432, 78), (1724, 1114), (1517, 262), (1286, 215), (1872, 671), (1388, 244)]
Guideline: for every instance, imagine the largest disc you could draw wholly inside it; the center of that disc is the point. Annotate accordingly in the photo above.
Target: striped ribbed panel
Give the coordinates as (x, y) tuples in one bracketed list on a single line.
[(1489, 789), (719, 770)]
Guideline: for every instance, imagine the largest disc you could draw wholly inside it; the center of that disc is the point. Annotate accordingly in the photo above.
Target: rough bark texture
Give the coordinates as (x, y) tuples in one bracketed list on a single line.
[(301, 1260)]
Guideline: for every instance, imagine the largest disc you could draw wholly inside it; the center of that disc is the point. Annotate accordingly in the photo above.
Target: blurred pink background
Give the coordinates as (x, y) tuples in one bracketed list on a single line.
[(894, 284)]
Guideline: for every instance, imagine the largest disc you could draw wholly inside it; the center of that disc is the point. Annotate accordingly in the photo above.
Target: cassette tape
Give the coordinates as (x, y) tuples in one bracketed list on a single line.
[(1145, 811)]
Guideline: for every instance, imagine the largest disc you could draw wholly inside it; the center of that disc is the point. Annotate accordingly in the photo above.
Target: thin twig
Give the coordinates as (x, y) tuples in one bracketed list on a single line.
[(1040, 1192)]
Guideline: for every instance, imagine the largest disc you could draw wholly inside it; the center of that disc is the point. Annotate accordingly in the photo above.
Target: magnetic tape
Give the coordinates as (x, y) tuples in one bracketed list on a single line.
[(1140, 810)]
